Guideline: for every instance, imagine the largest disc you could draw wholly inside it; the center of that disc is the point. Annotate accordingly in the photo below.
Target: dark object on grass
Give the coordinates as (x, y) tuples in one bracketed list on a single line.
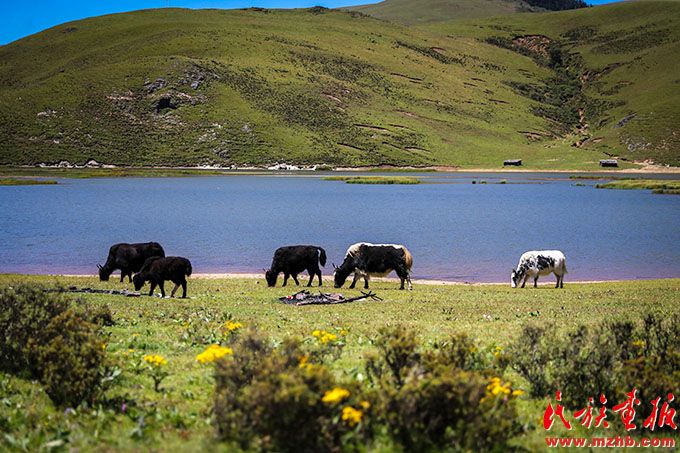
[(75, 289), (156, 270), (128, 258), (609, 163), (307, 298), (513, 162)]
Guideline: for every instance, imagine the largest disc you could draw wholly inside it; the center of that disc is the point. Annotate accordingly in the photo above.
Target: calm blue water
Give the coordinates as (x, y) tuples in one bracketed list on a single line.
[(455, 230)]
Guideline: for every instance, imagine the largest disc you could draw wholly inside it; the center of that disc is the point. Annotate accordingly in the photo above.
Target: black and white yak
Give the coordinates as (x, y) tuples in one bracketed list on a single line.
[(367, 260), (292, 260), (156, 270), (535, 263), (128, 258)]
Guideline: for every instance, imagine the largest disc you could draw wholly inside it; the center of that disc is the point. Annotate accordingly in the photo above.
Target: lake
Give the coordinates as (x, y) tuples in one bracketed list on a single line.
[(456, 230)]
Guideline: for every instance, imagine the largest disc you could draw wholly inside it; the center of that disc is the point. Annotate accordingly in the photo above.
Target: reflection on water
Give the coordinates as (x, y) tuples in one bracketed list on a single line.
[(455, 230)]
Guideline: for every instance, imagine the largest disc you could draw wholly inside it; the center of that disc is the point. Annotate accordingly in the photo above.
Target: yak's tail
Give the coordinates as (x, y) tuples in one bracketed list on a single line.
[(187, 271), (564, 267), (408, 259), (322, 256)]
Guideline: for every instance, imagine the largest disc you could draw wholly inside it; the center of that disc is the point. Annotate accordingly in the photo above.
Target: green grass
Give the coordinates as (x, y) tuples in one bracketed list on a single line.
[(621, 55), (402, 170), (425, 11), (24, 182), (657, 186), (373, 179), (178, 419), (266, 89), (82, 173)]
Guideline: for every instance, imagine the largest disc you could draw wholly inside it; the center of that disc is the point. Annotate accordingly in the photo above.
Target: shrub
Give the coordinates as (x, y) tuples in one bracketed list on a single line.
[(429, 402), (653, 378), (69, 357), (611, 358), (94, 313), (451, 408), (25, 312), (654, 364), (275, 399), (587, 362), (531, 354), (46, 340), (398, 355)]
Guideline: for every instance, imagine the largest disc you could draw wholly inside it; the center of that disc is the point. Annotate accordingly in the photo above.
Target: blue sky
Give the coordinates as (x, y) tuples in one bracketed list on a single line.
[(24, 18)]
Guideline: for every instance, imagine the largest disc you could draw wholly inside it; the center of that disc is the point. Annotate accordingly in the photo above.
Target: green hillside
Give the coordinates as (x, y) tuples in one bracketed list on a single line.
[(624, 57), (409, 12), (254, 87)]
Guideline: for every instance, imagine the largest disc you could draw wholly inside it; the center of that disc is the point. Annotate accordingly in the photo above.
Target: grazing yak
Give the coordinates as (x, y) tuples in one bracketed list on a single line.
[(157, 269), (535, 263), (128, 258), (294, 259), (367, 260)]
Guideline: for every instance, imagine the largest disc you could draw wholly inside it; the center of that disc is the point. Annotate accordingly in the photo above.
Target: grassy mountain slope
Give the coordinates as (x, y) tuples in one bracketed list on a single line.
[(625, 56), (255, 87), (409, 12), (179, 87)]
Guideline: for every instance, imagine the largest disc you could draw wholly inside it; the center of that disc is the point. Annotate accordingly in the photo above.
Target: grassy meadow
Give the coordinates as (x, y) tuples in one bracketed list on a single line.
[(373, 179), (655, 185), (179, 417)]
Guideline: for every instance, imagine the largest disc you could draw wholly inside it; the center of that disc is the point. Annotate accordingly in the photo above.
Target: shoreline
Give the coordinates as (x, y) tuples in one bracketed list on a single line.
[(645, 168), (421, 281)]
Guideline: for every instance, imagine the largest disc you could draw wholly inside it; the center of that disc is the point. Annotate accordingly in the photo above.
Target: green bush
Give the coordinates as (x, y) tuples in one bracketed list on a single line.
[(69, 357), (450, 408), (429, 402), (94, 313), (25, 312), (611, 358), (270, 399), (531, 354), (42, 338), (397, 355), (587, 362), (654, 365)]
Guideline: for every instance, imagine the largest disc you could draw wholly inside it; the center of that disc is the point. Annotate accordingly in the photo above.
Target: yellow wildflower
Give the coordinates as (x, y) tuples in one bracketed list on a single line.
[(303, 362), (327, 337), (639, 343), (318, 333), (233, 325), (155, 360), (496, 388), (517, 392), (365, 405), (335, 396), (213, 352), (344, 332), (103, 346), (351, 415)]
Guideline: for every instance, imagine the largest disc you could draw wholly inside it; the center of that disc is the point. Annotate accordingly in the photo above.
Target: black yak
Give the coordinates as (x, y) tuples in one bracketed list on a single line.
[(366, 259), (128, 258), (294, 259), (156, 270)]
